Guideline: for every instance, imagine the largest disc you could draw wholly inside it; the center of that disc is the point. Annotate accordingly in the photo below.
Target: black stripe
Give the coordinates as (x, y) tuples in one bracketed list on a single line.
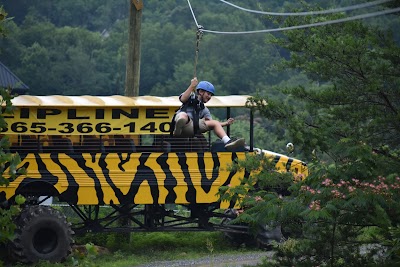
[(170, 181), (289, 164), (106, 172), (191, 192), (71, 194), (92, 174), (205, 182), (143, 173)]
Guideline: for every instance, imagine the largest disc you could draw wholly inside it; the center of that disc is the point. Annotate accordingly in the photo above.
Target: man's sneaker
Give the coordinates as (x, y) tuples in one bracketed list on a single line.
[(180, 122), (234, 144)]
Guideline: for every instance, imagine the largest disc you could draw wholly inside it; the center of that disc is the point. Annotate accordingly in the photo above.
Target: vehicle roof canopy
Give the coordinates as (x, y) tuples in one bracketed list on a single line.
[(121, 101)]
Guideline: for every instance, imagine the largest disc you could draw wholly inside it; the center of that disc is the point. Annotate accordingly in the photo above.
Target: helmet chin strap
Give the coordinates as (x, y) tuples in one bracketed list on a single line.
[(200, 96), (200, 99)]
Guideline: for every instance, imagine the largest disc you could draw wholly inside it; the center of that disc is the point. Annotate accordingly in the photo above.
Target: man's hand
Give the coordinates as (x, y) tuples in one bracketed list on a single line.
[(193, 83), (192, 87), (228, 122)]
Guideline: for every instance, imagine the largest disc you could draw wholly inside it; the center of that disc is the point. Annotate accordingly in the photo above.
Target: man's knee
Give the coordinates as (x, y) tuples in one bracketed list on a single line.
[(181, 115)]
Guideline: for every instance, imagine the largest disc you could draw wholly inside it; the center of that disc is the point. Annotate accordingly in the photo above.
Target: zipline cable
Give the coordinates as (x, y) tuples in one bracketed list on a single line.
[(307, 13), (362, 16), (199, 34), (194, 17)]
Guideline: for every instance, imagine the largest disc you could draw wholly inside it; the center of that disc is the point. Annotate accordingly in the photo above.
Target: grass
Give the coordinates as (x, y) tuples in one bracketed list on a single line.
[(145, 248)]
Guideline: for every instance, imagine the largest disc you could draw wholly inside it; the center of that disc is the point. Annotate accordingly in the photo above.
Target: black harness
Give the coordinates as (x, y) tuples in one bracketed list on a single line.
[(197, 107)]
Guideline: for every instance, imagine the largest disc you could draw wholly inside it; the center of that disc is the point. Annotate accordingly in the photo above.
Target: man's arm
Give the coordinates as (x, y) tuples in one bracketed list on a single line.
[(184, 97), (228, 122)]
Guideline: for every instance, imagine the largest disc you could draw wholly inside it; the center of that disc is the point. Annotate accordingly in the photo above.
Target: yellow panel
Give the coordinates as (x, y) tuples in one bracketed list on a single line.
[(143, 196), (122, 170)]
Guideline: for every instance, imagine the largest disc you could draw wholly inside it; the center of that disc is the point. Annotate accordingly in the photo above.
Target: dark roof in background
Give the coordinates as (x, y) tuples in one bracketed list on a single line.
[(9, 79)]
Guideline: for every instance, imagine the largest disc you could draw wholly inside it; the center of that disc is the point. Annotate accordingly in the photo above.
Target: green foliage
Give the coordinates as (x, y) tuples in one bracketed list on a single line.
[(3, 18), (394, 243), (353, 99), (82, 49), (337, 214), (177, 241), (8, 163), (150, 247), (346, 123), (79, 47), (86, 258), (341, 112), (8, 170), (265, 134), (329, 220), (157, 241), (7, 226)]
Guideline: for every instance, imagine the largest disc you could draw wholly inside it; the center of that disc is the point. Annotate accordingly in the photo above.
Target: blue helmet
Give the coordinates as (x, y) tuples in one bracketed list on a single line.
[(206, 86)]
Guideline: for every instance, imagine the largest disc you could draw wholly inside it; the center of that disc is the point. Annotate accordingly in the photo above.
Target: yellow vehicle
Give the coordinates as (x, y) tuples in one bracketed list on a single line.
[(91, 152)]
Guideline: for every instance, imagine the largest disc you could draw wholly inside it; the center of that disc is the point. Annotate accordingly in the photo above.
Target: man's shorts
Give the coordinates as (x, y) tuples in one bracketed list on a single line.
[(188, 128)]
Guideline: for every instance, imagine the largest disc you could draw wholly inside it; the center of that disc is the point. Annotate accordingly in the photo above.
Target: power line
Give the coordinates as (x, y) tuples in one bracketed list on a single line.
[(362, 16), (335, 10)]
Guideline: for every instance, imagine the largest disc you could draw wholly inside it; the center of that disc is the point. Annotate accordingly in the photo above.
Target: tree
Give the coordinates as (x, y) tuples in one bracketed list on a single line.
[(8, 161), (347, 124), (357, 100), (79, 47)]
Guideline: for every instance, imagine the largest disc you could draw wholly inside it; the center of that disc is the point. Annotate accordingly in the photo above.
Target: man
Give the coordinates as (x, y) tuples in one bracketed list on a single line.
[(193, 110)]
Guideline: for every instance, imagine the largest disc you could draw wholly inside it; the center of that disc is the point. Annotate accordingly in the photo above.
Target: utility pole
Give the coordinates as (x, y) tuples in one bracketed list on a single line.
[(131, 87), (133, 60)]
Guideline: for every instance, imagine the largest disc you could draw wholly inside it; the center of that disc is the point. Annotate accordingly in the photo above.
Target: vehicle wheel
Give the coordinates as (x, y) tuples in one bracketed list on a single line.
[(293, 229), (263, 238), (266, 235), (238, 239), (42, 233)]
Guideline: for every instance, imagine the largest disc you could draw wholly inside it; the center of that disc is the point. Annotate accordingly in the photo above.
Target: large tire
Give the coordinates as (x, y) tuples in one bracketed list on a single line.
[(42, 233), (237, 239), (266, 235), (263, 238)]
